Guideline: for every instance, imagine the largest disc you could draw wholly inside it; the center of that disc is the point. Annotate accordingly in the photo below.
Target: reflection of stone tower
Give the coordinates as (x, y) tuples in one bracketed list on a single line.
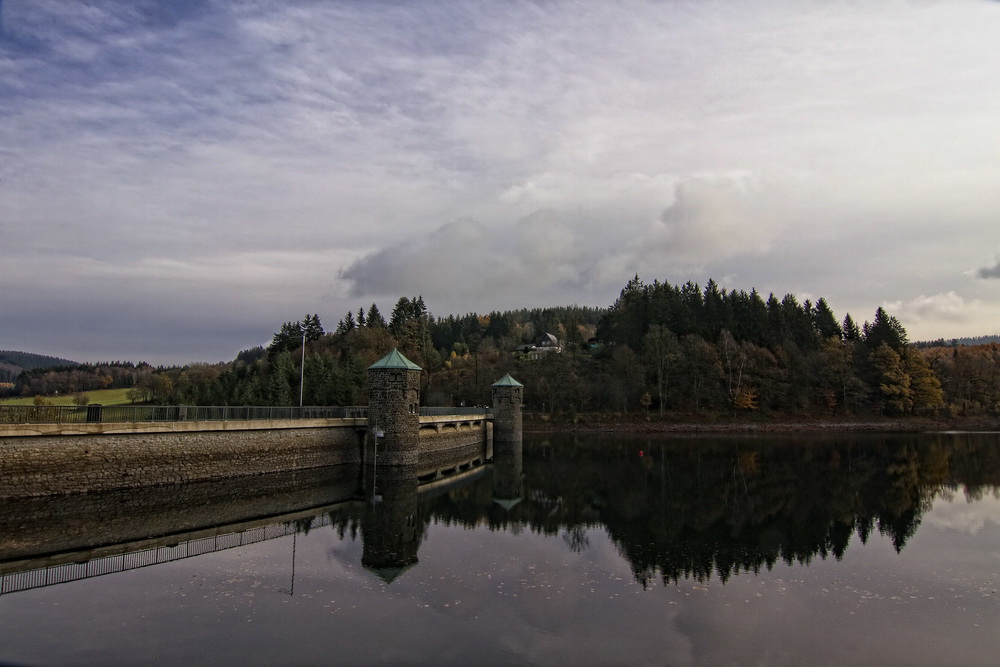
[(393, 411), (391, 531), (507, 448)]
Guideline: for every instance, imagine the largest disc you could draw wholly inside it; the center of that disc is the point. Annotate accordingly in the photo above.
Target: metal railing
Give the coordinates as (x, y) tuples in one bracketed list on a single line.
[(446, 412), (123, 414), (59, 574)]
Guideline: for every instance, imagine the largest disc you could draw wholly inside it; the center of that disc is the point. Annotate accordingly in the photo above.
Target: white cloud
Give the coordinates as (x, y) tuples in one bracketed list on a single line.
[(967, 517), (537, 260), (712, 219), (555, 255), (948, 306)]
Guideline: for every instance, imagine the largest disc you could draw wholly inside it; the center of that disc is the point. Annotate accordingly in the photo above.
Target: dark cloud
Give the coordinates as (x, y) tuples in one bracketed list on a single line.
[(988, 272)]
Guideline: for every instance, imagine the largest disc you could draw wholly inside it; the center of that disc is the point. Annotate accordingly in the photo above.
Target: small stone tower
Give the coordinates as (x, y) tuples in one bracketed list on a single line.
[(391, 530), (507, 447), (507, 398), (393, 411)]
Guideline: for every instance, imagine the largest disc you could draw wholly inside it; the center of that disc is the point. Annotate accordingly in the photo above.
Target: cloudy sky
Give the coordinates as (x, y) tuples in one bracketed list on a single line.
[(178, 178)]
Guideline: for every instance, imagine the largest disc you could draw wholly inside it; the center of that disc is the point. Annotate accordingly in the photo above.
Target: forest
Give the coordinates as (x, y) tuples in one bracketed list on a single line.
[(12, 363), (660, 351)]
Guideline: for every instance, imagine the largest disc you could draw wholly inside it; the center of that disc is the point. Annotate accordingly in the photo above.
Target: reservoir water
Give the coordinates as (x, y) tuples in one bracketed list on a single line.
[(592, 550)]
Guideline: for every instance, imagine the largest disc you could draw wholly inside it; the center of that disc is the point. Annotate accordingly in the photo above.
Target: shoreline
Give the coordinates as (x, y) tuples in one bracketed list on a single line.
[(639, 425)]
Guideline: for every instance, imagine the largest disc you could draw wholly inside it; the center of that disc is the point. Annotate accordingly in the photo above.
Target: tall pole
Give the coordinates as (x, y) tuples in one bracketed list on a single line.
[(302, 371), (374, 462)]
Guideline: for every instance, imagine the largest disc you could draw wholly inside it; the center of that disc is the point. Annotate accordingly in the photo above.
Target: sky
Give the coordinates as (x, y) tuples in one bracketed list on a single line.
[(180, 177)]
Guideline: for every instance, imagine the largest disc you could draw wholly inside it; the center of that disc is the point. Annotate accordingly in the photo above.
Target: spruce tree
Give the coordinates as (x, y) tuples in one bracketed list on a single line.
[(885, 329), (825, 321), (375, 318)]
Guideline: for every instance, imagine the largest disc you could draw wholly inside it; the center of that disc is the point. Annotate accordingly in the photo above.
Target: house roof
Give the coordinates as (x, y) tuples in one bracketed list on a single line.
[(395, 359), (507, 381), (548, 339)]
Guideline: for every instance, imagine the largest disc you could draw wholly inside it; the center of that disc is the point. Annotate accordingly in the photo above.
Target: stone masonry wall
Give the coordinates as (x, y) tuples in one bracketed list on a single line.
[(450, 446), (507, 418), (393, 397), (43, 465), (31, 527)]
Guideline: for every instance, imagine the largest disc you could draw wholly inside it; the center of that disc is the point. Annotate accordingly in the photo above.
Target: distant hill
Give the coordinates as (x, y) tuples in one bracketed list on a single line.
[(12, 363), (957, 342)]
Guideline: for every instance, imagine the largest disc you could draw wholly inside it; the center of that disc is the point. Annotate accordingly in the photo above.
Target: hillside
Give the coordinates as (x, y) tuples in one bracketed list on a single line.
[(12, 363), (957, 342)]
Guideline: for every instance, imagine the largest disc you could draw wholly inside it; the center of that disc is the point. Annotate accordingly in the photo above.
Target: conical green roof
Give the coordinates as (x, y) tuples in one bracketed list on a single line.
[(395, 360), (507, 381), (390, 574), (507, 504)]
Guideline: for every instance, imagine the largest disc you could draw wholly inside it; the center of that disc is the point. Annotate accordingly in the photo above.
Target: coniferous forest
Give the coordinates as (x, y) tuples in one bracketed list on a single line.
[(659, 351)]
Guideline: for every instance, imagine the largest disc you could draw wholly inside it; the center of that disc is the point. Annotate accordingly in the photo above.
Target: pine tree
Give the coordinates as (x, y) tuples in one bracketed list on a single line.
[(825, 321), (885, 330), (346, 325), (312, 328), (375, 318), (288, 338), (278, 387), (850, 329), (400, 316)]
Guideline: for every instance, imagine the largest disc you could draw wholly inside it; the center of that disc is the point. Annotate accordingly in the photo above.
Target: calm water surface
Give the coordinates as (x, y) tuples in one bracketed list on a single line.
[(881, 550)]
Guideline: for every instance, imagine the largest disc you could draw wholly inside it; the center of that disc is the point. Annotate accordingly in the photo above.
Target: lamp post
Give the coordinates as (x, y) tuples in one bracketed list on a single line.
[(302, 370), (378, 433)]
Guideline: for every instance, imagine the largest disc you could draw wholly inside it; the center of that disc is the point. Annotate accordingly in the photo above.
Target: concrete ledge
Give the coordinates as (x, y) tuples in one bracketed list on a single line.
[(448, 419), (113, 428)]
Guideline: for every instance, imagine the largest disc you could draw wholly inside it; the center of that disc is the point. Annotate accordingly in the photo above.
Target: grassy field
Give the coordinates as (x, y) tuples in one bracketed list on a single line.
[(102, 396)]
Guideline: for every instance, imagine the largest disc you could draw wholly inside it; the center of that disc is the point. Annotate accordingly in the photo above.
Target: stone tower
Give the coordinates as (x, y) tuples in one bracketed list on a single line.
[(507, 398), (391, 530), (393, 411), (507, 448)]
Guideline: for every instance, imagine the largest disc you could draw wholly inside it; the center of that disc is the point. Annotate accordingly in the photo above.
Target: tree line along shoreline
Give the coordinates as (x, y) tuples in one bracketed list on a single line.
[(661, 354)]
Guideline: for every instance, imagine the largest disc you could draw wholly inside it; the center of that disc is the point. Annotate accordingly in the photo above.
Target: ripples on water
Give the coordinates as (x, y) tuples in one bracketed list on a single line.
[(860, 550)]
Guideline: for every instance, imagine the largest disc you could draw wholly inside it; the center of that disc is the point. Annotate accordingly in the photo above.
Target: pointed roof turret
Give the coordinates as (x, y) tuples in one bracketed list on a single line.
[(507, 503), (507, 381), (395, 359), (390, 574)]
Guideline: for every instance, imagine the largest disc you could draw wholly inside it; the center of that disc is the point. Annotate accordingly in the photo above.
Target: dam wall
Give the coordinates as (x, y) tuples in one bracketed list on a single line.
[(445, 445), (52, 459), (68, 464), (83, 526)]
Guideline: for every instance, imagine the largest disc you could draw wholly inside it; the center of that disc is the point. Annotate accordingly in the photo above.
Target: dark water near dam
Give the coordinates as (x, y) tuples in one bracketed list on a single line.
[(592, 550)]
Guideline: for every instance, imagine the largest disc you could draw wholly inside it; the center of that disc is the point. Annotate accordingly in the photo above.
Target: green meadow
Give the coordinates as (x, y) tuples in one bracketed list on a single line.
[(101, 396)]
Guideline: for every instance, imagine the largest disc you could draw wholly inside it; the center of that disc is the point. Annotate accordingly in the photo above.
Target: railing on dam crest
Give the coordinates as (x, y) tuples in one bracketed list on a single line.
[(123, 414), (58, 414)]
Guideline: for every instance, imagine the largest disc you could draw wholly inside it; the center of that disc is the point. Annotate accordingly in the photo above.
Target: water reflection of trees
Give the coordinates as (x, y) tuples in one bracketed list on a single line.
[(697, 508)]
